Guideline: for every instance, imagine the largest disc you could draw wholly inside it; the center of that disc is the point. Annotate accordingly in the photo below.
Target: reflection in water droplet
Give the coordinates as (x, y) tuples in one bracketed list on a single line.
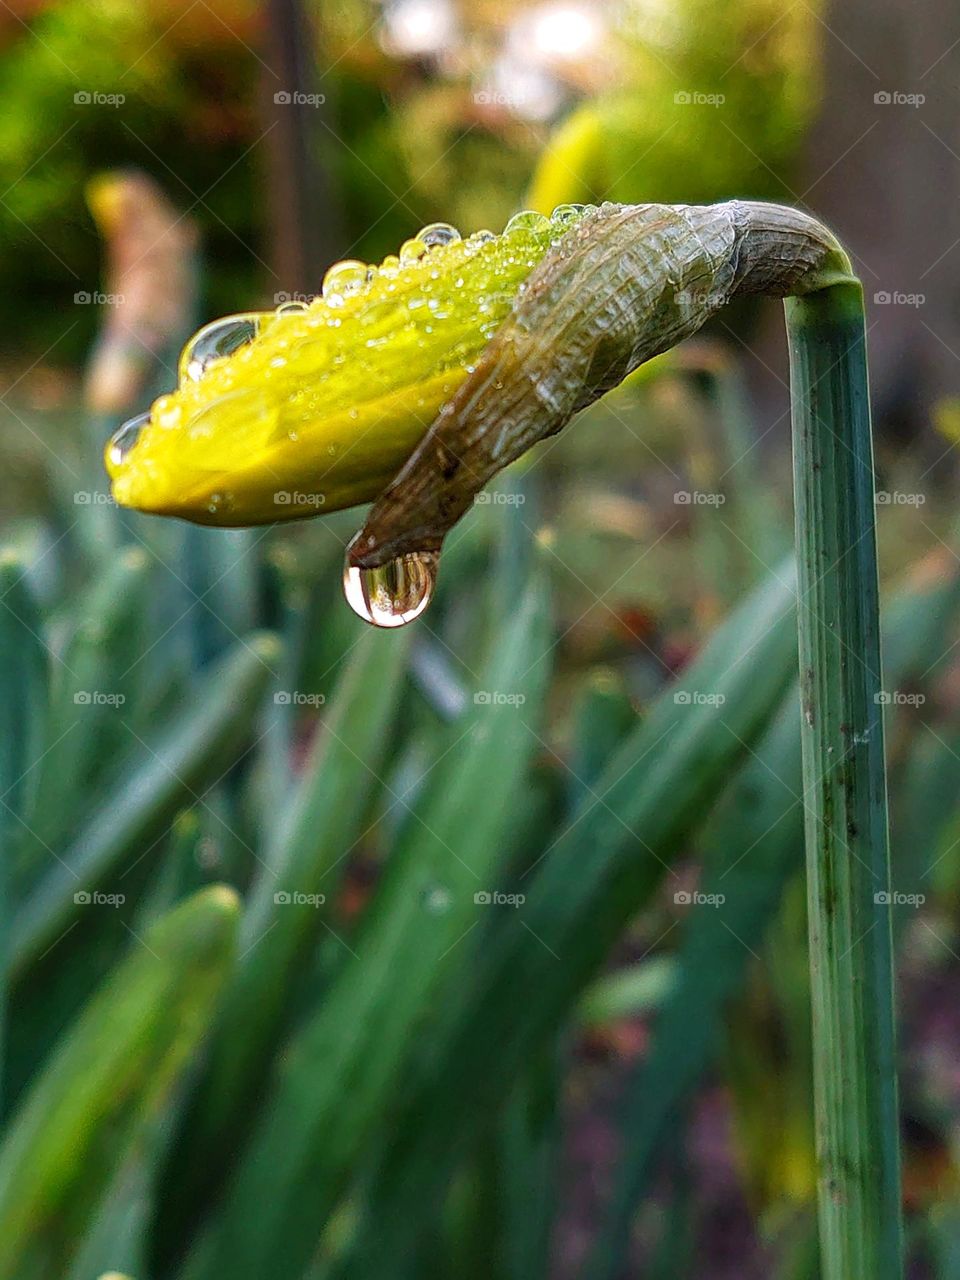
[(482, 237), (411, 251), (125, 437), (221, 338), (438, 233), (393, 594), (528, 220), (343, 279), (567, 212)]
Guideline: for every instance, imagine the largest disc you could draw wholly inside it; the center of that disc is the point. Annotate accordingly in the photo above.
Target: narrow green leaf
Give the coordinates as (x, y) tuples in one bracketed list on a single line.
[(284, 921), (752, 849), (182, 761), (111, 1072), (597, 874), (335, 1089)]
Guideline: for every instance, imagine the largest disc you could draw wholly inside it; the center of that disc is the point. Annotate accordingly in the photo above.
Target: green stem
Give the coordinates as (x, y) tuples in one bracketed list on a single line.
[(847, 849)]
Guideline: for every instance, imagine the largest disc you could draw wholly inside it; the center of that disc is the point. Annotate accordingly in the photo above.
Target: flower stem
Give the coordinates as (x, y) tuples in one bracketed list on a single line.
[(847, 848)]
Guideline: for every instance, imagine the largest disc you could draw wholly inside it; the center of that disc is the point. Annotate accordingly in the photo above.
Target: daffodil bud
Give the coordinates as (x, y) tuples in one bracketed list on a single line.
[(316, 406)]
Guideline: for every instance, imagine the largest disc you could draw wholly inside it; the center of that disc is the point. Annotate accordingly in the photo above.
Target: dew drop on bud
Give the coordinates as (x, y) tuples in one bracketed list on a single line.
[(528, 220), (343, 279), (567, 212), (412, 251), (392, 594), (437, 234), (295, 306), (216, 340), (482, 237), (125, 437)]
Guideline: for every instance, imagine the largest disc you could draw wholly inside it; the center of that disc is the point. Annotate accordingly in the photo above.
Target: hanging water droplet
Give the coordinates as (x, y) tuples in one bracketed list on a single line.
[(411, 251), (567, 212), (528, 220), (437, 234), (343, 279), (125, 437), (393, 594), (216, 340)]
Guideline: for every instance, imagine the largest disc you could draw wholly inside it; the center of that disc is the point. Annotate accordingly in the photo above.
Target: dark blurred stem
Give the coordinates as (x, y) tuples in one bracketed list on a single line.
[(848, 862), (304, 234)]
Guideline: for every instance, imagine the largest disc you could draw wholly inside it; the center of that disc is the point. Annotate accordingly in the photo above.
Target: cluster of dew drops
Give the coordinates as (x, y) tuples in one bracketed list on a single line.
[(396, 593)]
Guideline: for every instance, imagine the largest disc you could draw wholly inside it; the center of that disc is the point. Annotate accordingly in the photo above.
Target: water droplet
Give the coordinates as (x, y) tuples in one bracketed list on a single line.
[(395, 593), (482, 237), (296, 306), (412, 251), (436, 899), (528, 220), (437, 234), (216, 340), (567, 212), (343, 279), (125, 437)]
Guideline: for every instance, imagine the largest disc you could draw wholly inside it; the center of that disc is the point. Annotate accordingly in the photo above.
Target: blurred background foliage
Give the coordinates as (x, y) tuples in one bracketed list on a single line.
[(612, 1077)]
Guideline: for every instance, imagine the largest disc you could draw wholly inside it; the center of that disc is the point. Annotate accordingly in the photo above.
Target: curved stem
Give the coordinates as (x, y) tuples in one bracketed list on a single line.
[(848, 865)]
